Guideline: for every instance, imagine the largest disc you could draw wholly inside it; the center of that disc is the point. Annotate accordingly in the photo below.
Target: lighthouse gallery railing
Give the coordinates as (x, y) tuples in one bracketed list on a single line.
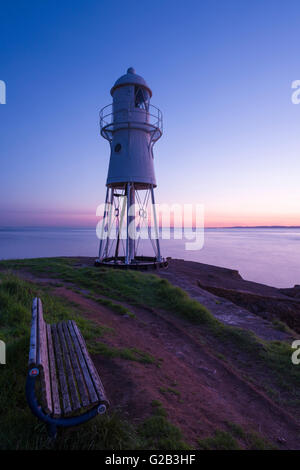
[(111, 120)]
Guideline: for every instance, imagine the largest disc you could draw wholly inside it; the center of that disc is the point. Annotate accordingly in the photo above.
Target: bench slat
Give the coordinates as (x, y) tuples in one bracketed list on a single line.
[(76, 368), (92, 369), (33, 339), (68, 377), (61, 372), (88, 380), (42, 358), (75, 403), (53, 376)]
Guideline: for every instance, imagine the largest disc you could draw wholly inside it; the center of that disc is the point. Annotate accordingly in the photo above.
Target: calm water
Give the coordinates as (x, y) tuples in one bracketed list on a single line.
[(270, 256)]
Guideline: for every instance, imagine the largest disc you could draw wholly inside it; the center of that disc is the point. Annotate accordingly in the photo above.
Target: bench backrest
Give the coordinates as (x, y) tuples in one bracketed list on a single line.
[(38, 352)]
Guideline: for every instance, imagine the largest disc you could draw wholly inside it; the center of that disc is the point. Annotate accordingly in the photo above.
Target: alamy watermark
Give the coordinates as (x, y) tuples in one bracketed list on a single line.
[(296, 355), (177, 221), (295, 97), (2, 352), (2, 92)]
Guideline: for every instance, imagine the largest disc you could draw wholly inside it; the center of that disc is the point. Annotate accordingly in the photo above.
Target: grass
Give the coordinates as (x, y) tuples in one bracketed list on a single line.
[(236, 430), (134, 288), (281, 326), (221, 440), (130, 354), (235, 439), (117, 308), (15, 305), (156, 432), (19, 428), (251, 439), (171, 390), (149, 291), (16, 297), (271, 357)]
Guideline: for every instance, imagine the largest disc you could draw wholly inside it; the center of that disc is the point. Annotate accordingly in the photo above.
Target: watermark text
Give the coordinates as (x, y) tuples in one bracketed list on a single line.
[(2, 92), (2, 352)]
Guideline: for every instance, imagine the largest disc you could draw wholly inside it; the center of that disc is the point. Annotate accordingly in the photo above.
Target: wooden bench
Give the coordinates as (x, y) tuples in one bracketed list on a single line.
[(71, 391)]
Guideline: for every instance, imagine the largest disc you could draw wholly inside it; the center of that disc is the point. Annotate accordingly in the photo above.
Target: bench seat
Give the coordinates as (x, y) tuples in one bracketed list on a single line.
[(70, 383)]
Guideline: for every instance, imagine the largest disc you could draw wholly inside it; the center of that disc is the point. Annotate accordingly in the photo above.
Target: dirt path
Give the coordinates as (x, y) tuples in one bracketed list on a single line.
[(208, 393), (198, 390)]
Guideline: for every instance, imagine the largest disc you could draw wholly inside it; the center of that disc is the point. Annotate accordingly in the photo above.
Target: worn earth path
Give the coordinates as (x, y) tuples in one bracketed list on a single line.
[(199, 391)]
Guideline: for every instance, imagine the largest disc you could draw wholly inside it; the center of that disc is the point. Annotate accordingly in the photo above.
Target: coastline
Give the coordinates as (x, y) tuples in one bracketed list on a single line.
[(271, 304), (209, 364)]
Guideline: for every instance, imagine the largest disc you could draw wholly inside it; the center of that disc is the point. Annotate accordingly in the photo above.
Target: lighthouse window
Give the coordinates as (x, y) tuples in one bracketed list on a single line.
[(141, 98), (118, 148)]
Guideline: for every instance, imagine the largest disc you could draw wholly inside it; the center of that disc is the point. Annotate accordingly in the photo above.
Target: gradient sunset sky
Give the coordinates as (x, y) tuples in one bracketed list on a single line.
[(220, 71)]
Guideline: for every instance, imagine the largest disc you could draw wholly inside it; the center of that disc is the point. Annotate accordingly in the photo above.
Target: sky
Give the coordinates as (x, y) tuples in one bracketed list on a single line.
[(221, 73)]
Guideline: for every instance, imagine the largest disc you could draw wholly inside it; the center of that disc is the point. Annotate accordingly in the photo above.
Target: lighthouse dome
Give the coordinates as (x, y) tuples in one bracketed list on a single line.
[(130, 78)]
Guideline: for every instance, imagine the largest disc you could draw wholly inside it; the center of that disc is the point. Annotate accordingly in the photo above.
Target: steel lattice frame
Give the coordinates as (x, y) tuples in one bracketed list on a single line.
[(114, 248)]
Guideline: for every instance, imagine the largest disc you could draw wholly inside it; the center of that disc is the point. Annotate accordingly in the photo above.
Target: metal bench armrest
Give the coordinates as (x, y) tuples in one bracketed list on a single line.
[(54, 422)]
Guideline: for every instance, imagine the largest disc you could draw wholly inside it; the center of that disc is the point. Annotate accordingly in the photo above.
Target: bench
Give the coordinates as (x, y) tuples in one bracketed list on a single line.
[(70, 389)]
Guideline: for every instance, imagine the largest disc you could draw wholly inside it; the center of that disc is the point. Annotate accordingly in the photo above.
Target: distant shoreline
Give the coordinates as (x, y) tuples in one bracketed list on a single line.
[(57, 227), (260, 226)]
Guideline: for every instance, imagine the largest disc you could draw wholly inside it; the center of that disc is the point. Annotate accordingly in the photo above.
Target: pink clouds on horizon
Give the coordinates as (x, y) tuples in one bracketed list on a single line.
[(89, 219)]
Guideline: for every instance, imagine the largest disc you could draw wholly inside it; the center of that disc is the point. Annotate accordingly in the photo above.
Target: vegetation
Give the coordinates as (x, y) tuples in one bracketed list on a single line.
[(158, 433), (281, 326), (133, 287), (19, 429), (166, 390), (235, 439), (251, 439), (221, 440), (149, 291)]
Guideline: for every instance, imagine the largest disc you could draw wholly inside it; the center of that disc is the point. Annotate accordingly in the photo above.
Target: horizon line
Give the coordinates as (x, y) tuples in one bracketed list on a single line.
[(5, 227)]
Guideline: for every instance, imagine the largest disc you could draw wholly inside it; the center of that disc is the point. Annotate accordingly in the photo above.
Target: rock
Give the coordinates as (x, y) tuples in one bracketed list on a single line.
[(179, 354)]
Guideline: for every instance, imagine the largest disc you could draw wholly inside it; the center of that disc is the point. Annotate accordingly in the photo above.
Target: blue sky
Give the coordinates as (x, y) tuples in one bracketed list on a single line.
[(221, 73)]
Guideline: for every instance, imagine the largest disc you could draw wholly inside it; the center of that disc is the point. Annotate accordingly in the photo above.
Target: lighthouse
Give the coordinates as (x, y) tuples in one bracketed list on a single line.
[(132, 126)]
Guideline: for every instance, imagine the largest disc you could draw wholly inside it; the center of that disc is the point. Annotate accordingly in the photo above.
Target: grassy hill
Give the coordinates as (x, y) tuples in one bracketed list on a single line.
[(177, 377)]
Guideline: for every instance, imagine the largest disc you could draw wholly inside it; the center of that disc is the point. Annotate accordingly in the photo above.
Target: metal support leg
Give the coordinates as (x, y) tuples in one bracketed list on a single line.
[(122, 205), (155, 225), (111, 207), (127, 222), (103, 224), (131, 220)]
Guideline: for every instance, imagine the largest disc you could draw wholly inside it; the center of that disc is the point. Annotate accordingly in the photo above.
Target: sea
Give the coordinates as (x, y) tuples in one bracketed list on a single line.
[(266, 255)]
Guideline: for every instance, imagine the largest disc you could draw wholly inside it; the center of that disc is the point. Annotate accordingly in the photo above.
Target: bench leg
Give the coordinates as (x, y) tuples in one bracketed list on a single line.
[(52, 430)]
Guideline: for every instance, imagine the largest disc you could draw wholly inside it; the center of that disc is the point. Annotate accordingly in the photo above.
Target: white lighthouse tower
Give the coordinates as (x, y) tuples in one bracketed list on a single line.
[(132, 126)]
